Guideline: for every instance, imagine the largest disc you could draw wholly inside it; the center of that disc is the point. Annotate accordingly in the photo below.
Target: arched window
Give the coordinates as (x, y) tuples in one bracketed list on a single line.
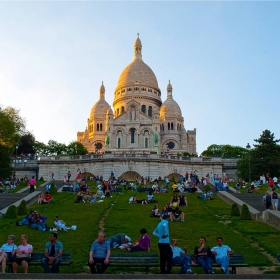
[(97, 127), (177, 127), (122, 109), (146, 142), (143, 109), (132, 135), (119, 143), (118, 111), (162, 127), (168, 126), (101, 127), (172, 126), (150, 111)]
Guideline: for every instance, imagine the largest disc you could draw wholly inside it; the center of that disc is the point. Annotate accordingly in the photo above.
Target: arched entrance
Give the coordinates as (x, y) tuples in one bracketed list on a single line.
[(130, 175), (174, 177)]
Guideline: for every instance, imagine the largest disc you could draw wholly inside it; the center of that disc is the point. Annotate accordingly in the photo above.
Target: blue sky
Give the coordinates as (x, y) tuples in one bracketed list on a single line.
[(222, 58)]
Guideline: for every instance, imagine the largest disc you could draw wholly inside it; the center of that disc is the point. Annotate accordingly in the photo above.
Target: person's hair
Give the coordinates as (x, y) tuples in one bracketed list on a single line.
[(143, 231), (102, 232), (220, 238), (203, 238), (54, 234), (24, 236), (31, 211), (11, 236), (56, 217)]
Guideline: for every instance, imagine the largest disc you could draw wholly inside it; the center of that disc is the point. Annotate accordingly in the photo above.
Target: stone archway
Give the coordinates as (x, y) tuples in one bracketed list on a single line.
[(130, 175), (176, 176)]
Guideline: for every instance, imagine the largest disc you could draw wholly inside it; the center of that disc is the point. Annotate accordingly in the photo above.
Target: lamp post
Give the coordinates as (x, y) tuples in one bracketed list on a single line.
[(248, 147), (16, 146)]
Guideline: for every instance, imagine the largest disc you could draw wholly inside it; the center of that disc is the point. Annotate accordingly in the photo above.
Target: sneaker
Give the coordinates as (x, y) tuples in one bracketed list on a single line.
[(189, 271), (171, 220), (210, 272)]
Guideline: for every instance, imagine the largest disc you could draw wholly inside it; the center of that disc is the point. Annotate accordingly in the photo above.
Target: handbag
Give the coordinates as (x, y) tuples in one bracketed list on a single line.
[(20, 256)]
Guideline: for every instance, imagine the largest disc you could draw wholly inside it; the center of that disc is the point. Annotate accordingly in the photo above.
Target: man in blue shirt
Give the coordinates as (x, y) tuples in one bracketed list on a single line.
[(99, 253), (222, 254), (53, 254), (180, 258), (165, 252)]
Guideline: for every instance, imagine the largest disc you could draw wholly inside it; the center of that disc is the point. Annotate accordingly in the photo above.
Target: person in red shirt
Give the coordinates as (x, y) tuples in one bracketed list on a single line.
[(47, 198), (271, 182)]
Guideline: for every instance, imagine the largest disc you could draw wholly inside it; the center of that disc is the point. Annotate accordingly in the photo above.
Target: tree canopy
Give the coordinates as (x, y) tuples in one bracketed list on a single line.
[(225, 151), (264, 158)]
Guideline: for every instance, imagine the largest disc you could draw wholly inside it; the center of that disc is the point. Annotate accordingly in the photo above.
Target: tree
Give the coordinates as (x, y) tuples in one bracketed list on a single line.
[(5, 166), (263, 158), (224, 151), (27, 144), (40, 148), (76, 148)]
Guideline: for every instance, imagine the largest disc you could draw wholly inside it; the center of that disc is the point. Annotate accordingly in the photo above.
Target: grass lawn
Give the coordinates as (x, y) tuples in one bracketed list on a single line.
[(202, 218)]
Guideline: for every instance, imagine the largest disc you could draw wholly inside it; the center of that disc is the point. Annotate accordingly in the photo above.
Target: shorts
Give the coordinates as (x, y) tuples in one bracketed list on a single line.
[(19, 260), (10, 257), (275, 202), (177, 219)]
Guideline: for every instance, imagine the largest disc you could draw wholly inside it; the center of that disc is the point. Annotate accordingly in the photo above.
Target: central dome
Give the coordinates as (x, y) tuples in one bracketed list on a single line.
[(137, 72)]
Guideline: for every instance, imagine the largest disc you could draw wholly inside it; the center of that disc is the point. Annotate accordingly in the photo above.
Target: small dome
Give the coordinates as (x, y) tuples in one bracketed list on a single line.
[(99, 109)]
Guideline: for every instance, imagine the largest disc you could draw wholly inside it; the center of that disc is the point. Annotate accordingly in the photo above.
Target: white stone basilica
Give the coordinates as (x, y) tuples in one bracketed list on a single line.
[(140, 122)]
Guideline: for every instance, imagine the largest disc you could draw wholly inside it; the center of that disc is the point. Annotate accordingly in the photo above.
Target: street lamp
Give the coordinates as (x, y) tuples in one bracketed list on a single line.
[(248, 147), (16, 146)]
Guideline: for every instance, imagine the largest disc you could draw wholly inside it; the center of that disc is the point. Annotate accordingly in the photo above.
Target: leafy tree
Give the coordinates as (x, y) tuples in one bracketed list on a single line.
[(27, 144), (56, 148), (263, 158), (40, 148), (5, 166), (224, 151), (76, 148)]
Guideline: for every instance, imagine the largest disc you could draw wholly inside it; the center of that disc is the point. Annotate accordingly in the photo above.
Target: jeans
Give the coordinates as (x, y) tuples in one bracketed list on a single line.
[(23, 222), (224, 262), (184, 261), (55, 265), (205, 262), (37, 226)]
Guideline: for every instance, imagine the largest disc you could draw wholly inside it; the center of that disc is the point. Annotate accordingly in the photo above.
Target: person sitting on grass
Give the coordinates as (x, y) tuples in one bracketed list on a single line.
[(174, 200), (177, 215), (47, 198), (27, 220), (150, 197), (209, 195), (79, 197), (155, 211), (182, 200), (164, 212), (40, 198), (116, 240), (87, 197), (143, 243)]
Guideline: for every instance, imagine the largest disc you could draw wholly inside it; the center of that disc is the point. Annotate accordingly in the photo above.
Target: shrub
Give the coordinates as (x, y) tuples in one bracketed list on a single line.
[(245, 213), (207, 188), (41, 179), (21, 210), (11, 212), (52, 189), (234, 211)]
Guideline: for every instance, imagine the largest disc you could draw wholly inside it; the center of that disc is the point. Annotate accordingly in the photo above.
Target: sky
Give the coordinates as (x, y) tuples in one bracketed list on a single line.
[(222, 58)]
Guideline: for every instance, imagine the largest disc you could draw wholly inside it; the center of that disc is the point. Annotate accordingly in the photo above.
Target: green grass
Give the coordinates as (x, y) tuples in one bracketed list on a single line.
[(202, 218)]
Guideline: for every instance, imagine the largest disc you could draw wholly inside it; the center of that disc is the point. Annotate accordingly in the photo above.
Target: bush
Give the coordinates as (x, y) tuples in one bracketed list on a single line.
[(234, 211), (207, 188), (11, 212), (41, 179), (245, 213), (21, 210), (52, 189)]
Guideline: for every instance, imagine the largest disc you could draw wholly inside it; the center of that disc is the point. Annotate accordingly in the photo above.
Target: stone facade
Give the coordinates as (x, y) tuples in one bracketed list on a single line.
[(140, 121)]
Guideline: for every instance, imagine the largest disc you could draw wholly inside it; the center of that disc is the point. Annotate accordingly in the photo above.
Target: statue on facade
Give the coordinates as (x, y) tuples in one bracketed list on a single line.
[(156, 139), (133, 114), (107, 140)]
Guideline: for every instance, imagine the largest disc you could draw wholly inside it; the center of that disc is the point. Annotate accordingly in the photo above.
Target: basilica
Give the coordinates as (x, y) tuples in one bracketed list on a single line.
[(139, 122)]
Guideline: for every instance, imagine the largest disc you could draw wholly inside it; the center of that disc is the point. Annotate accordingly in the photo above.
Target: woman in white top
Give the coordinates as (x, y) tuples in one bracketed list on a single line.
[(23, 254)]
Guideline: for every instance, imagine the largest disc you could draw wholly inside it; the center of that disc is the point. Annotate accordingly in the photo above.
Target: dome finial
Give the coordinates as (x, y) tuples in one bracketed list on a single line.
[(102, 91), (137, 48), (169, 89)]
